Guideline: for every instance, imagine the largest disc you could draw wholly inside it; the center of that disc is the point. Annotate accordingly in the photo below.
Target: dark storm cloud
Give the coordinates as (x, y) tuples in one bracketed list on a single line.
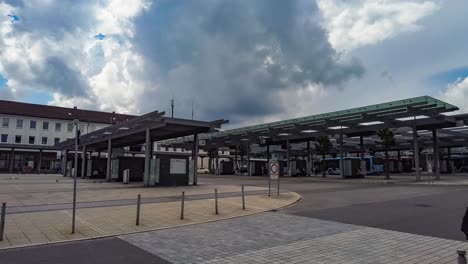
[(233, 57)]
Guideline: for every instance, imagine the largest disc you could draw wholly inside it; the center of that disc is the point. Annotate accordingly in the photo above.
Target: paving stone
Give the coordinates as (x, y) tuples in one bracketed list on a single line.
[(281, 238)]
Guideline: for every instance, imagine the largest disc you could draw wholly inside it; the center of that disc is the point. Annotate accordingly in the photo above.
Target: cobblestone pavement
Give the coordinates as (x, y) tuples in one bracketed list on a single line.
[(281, 238)]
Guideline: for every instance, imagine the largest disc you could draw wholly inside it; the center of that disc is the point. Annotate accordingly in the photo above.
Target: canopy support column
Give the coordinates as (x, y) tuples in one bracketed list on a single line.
[(195, 159), (309, 164), (83, 162), (416, 151), (341, 153), (248, 160), (288, 154), (146, 179), (109, 154), (435, 141)]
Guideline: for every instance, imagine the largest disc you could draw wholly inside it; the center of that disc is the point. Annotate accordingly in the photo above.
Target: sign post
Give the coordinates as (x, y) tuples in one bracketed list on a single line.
[(273, 175)]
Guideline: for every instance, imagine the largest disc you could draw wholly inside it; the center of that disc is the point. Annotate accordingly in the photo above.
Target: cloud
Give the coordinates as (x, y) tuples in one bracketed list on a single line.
[(357, 23), (238, 58), (457, 94), (241, 60)]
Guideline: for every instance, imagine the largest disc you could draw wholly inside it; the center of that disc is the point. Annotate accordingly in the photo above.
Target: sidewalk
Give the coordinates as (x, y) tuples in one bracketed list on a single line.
[(39, 207), (281, 238)]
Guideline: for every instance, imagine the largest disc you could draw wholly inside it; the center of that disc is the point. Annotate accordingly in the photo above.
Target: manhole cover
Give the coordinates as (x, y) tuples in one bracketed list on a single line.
[(423, 205)]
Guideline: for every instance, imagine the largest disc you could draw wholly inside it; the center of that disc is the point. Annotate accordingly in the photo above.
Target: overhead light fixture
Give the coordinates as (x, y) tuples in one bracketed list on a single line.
[(107, 133), (308, 131), (371, 123), (337, 127), (283, 134), (123, 128)]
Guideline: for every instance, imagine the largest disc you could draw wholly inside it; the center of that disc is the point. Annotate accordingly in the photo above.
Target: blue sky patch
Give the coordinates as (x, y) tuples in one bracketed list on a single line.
[(100, 36), (3, 82), (450, 76), (37, 97)]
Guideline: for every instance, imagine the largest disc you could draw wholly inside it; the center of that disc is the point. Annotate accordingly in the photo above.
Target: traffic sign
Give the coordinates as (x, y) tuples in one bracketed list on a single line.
[(274, 170)]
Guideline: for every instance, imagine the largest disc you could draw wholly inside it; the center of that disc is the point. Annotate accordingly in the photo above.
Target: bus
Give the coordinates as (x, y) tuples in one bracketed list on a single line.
[(374, 165)]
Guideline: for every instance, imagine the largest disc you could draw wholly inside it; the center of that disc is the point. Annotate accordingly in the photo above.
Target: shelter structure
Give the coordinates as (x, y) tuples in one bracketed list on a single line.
[(145, 129), (417, 122)]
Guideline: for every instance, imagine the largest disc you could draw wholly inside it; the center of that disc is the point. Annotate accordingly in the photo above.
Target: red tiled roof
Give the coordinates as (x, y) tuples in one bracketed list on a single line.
[(64, 113)]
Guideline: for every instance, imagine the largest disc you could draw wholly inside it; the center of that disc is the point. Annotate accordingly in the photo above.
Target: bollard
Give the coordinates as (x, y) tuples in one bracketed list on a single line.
[(182, 207), (216, 201), (243, 198), (138, 210), (2, 222), (461, 256)]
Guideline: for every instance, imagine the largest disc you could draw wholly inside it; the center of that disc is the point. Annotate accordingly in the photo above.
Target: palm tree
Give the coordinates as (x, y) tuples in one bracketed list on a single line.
[(387, 138), (323, 147)]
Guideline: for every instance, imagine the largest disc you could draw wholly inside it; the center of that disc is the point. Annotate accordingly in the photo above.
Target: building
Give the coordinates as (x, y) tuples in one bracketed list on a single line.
[(28, 133)]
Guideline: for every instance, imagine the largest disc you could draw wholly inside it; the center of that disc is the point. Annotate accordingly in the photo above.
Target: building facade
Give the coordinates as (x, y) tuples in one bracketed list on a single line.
[(28, 133)]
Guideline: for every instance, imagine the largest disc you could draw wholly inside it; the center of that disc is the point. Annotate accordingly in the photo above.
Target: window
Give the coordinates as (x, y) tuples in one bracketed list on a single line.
[(31, 140), (19, 123), (92, 128), (44, 140), (45, 125), (17, 139), (58, 126), (82, 129), (70, 129), (5, 122), (4, 138), (56, 140), (32, 124)]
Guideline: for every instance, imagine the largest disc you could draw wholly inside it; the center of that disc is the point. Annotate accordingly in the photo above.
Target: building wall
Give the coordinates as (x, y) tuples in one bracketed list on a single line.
[(38, 133)]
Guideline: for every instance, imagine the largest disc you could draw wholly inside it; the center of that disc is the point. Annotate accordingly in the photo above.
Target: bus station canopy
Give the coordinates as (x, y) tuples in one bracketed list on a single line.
[(133, 131), (425, 113)]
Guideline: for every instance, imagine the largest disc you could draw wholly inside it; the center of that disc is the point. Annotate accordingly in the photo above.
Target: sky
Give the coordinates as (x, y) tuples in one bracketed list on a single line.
[(246, 61)]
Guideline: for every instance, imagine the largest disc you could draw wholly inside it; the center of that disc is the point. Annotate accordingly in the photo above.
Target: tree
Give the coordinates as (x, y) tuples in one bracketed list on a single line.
[(241, 151), (323, 147), (387, 137), (211, 155)]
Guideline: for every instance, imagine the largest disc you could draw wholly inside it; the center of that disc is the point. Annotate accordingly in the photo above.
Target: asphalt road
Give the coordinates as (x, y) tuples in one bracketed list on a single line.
[(425, 210), (99, 251)]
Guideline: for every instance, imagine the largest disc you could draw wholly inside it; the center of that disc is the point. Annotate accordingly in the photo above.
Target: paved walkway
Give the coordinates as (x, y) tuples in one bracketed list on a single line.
[(281, 238), (39, 207)]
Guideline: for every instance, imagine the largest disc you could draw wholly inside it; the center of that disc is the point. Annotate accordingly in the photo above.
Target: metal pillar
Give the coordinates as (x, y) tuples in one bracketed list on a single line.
[(309, 164), (109, 154), (75, 175), (248, 160), (436, 168), (12, 159), (288, 158), (449, 157), (341, 153), (39, 165), (268, 153), (64, 163), (235, 159), (146, 177), (361, 154), (83, 162), (416, 151), (195, 159)]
